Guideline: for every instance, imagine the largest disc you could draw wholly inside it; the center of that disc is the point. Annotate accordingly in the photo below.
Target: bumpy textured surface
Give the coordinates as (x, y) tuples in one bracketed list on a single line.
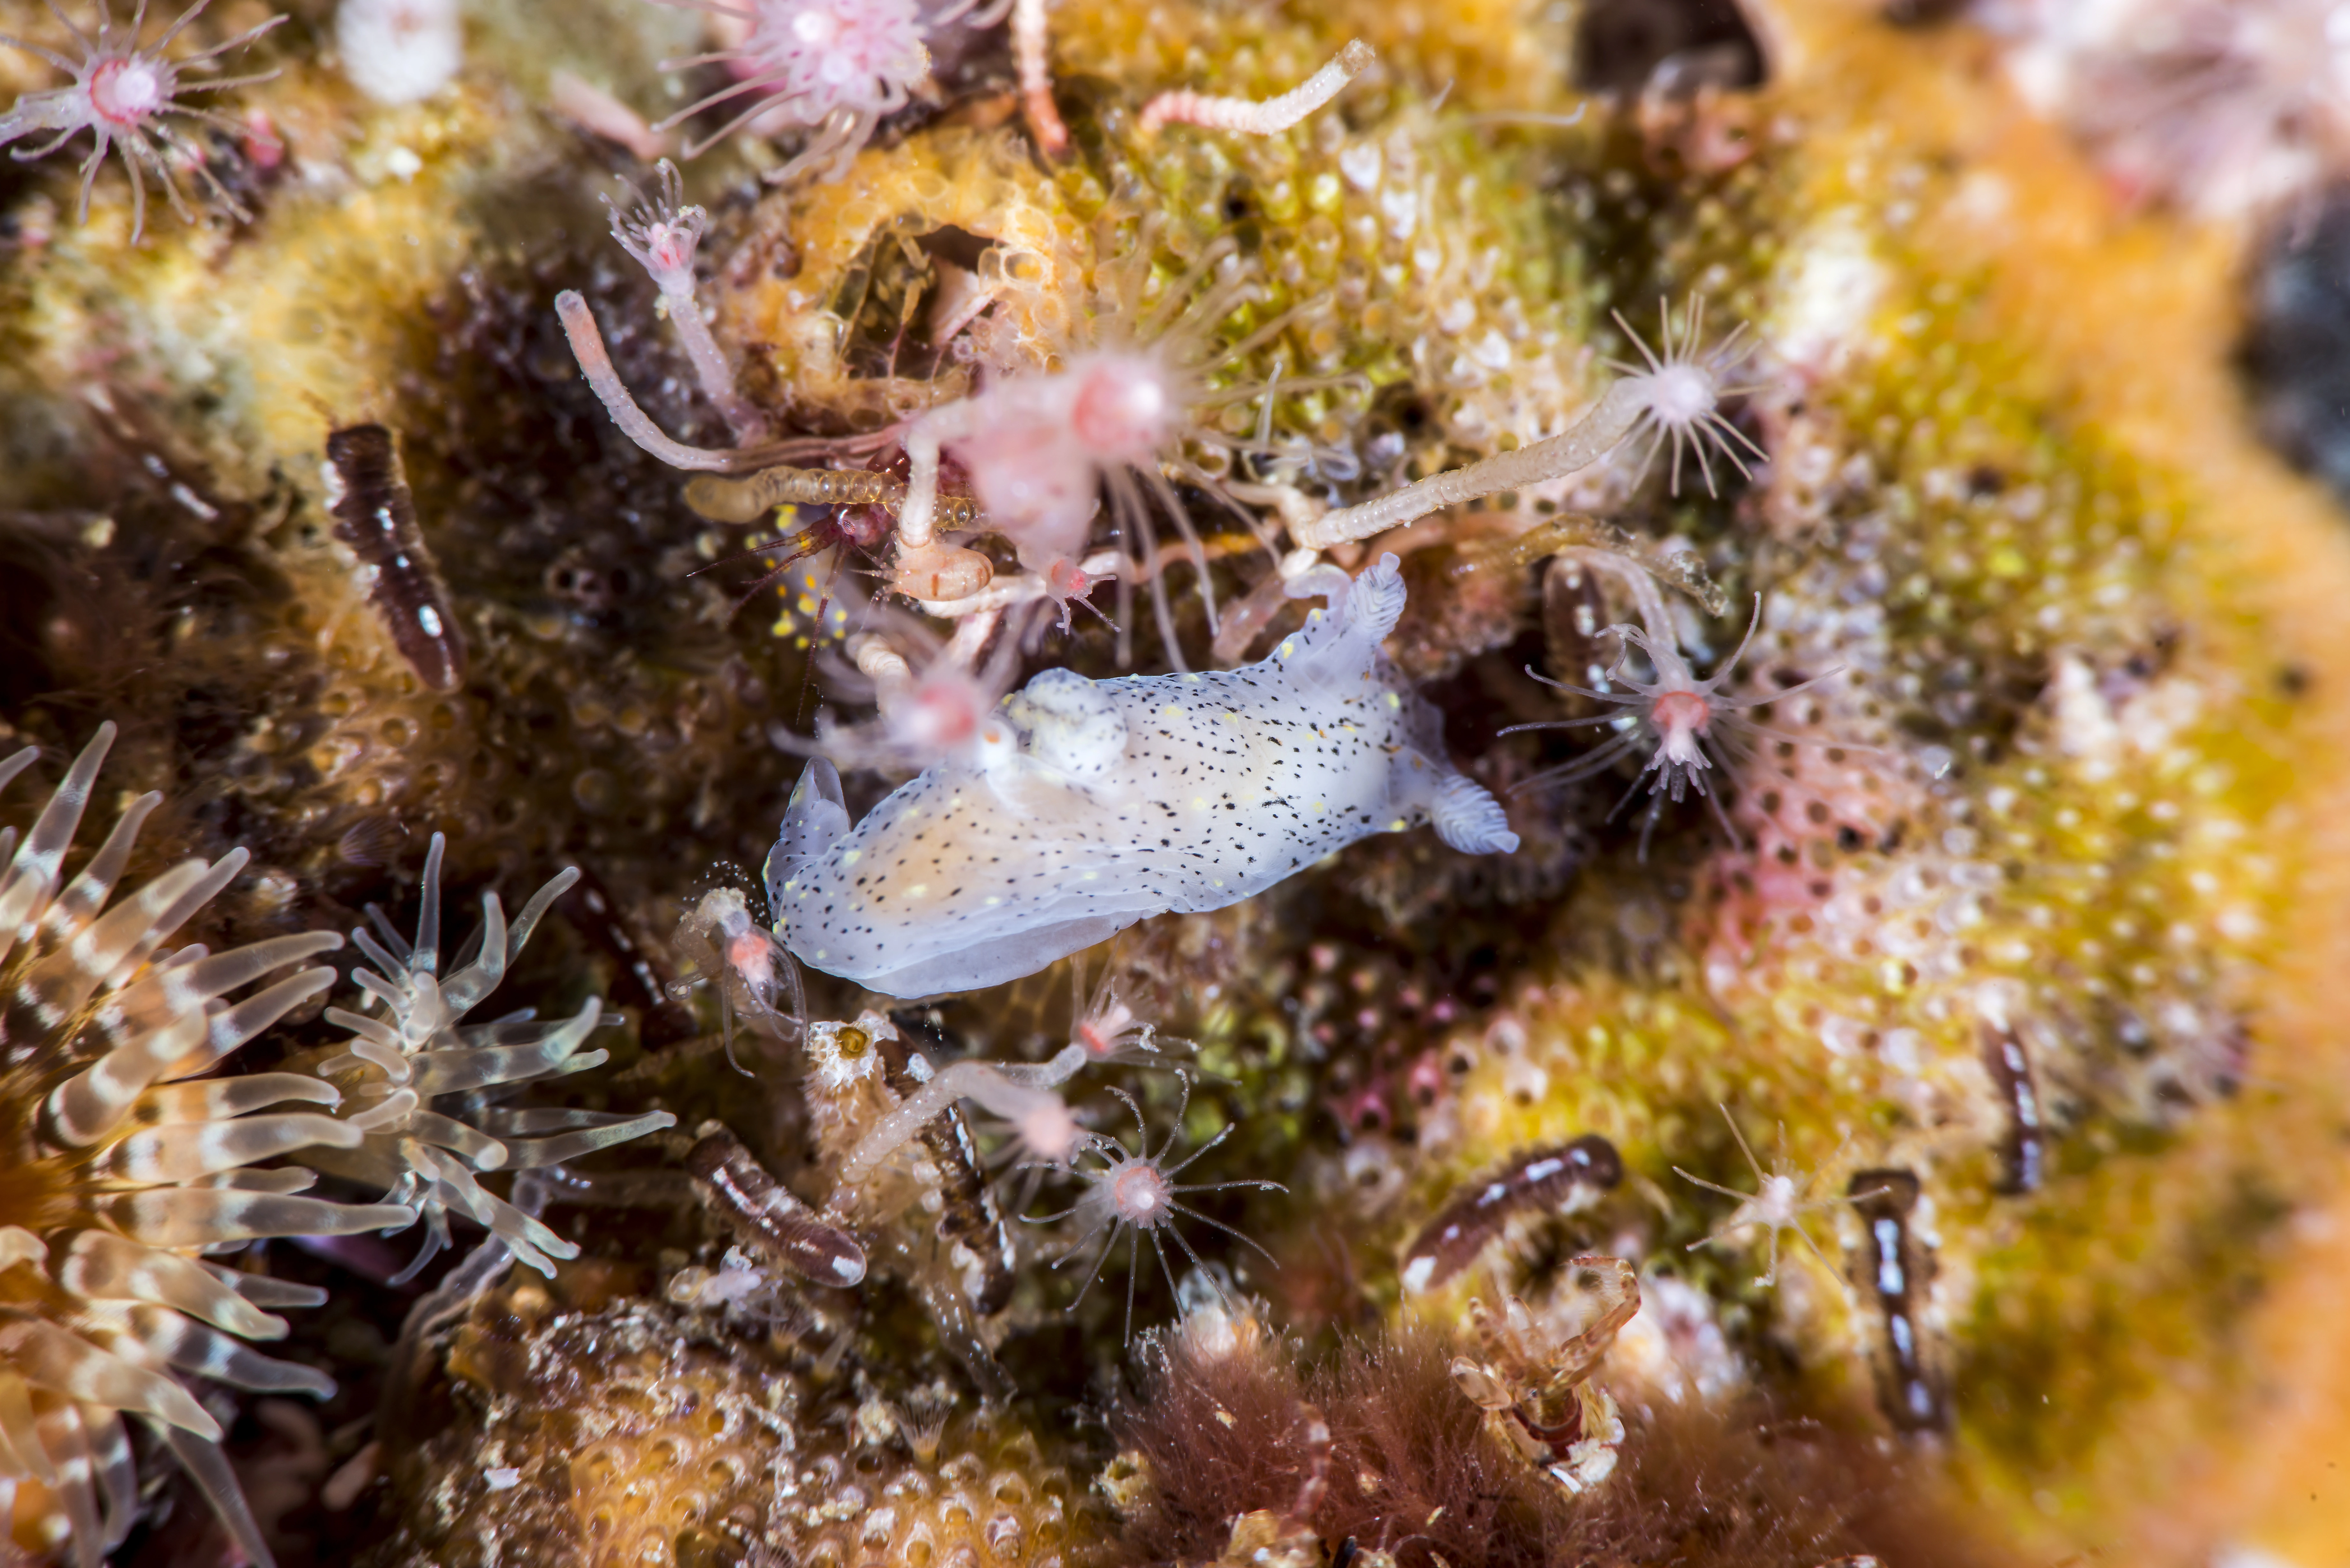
[(2022, 950), (698, 1447)]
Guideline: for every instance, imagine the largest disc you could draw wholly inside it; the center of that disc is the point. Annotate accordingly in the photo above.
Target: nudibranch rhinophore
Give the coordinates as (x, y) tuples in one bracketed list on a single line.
[(1089, 804)]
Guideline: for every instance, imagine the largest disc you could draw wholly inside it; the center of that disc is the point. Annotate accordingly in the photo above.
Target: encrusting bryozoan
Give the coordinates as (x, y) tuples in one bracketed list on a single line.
[(1675, 396), (423, 1090), (1087, 806), (122, 1166)]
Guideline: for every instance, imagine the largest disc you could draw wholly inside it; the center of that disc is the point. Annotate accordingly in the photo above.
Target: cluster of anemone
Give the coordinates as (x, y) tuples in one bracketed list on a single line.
[(1126, 1193), (422, 1095), (129, 1166), (1124, 400), (1119, 398), (1102, 416)]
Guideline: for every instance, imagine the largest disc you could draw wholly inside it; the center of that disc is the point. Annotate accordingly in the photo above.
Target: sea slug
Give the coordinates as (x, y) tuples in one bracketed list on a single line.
[(1089, 804)]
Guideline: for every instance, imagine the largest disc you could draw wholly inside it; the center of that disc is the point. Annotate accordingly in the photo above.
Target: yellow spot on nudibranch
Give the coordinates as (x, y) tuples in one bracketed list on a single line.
[(847, 857), (1395, 700), (1198, 802), (1398, 826), (918, 890), (1288, 647), (1171, 711)]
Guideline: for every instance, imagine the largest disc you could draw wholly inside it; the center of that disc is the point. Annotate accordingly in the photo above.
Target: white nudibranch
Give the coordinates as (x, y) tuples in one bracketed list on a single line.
[(1086, 806)]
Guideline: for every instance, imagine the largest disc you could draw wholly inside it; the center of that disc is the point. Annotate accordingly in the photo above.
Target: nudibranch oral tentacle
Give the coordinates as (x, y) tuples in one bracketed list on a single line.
[(1087, 806)]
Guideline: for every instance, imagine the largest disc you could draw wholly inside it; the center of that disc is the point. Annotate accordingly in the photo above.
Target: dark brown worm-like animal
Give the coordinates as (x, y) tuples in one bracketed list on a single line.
[(762, 1210), (1894, 1265), (1557, 1180), (368, 497), (2023, 1150)]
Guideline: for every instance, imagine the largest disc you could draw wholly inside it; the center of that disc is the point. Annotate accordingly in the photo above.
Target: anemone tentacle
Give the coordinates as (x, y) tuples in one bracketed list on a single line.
[(420, 1091), (121, 1167)]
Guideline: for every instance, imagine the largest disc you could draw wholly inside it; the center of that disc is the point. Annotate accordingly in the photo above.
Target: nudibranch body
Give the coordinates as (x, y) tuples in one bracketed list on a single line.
[(1088, 804)]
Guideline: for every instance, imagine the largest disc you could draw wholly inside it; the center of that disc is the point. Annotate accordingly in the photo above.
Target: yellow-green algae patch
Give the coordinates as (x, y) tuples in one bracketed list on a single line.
[(1404, 246), (2081, 594)]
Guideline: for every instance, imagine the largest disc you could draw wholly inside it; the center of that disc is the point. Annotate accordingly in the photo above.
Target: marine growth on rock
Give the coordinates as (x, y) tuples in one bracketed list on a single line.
[(1083, 633)]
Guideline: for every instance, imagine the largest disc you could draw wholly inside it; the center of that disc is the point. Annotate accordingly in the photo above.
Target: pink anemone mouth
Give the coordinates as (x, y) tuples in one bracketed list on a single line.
[(1684, 711), (124, 92)]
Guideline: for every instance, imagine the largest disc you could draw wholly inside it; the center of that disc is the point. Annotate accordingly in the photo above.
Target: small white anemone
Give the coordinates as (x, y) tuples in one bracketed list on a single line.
[(1779, 1201), (1688, 726), (749, 963), (1674, 395), (1677, 394), (1136, 1192), (121, 93), (833, 67), (1111, 1031), (425, 1090)]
